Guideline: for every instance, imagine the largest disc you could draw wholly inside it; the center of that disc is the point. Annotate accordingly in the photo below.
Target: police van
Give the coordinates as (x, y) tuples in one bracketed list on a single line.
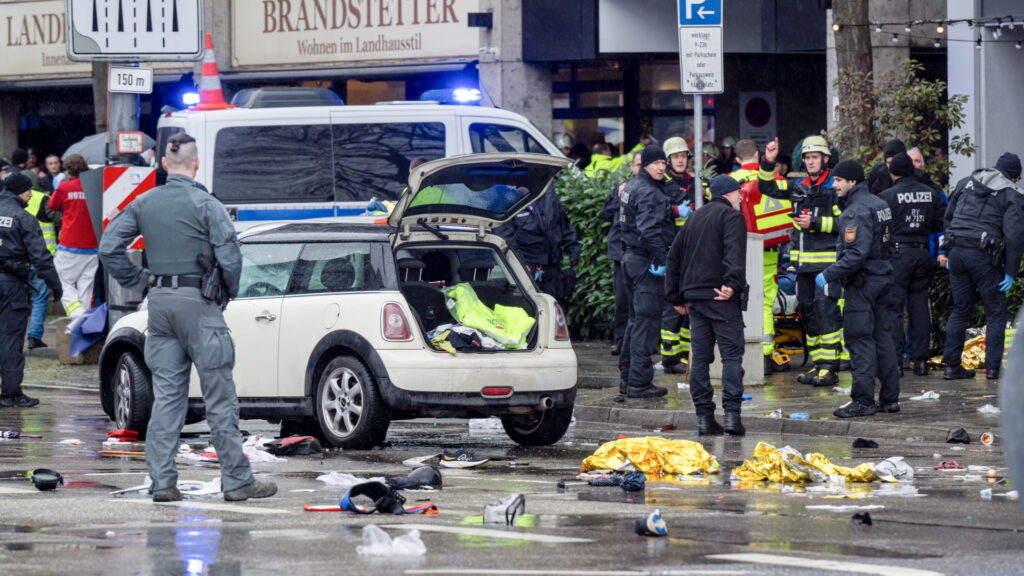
[(296, 153)]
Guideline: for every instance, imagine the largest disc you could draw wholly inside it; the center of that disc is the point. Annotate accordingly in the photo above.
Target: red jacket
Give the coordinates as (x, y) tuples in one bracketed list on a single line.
[(76, 225)]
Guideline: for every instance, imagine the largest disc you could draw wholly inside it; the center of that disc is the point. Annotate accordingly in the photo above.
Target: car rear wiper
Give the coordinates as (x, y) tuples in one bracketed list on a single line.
[(433, 229)]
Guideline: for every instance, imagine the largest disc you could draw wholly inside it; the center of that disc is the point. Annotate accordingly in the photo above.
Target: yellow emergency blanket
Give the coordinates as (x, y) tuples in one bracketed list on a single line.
[(652, 455), (973, 355), (789, 465)]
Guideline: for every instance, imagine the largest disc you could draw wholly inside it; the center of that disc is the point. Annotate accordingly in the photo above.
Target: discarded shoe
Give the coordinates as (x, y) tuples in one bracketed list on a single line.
[(34, 343), (957, 372), (506, 510), (920, 368), (708, 426), (958, 436), (18, 401), (677, 368), (461, 459), (864, 519), (256, 489), (992, 373), (864, 443), (294, 446), (422, 478), (854, 409), (634, 482), (381, 498), (653, 525), (734, 424), (45, 479), (171, 494), (651, 391), (825, 378), (888, 407)]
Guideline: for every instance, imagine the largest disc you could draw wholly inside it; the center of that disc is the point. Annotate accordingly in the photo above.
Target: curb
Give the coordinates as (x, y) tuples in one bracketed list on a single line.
[(687, 420)]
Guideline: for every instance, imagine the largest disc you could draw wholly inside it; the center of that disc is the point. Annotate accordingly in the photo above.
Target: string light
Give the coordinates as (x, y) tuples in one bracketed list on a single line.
[(835, 27), (1018, 45), (894, 39), (937, 43), (940, 28), (878, 28), (907, 28)]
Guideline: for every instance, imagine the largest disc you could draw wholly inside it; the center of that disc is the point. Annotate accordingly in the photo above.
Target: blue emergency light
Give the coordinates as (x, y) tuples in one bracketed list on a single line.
[(464, 96), (190, 98)]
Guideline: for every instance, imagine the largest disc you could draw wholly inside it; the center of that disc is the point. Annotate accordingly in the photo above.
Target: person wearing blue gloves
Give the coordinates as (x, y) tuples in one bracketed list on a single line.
[(647, 231), (706, 280), (984, 241), (863, 268)]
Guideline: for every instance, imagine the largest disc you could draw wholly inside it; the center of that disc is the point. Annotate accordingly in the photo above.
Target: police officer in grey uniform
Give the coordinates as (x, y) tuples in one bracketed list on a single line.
[(22, 248), (180, 222)]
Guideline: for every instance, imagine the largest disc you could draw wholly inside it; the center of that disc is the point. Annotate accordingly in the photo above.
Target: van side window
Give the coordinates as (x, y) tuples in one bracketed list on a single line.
[(273, 164), (372, 160), (501, 138)]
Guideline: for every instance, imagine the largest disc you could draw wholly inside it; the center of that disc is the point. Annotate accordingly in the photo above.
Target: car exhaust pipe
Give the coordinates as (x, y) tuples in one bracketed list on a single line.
[(546, 403)]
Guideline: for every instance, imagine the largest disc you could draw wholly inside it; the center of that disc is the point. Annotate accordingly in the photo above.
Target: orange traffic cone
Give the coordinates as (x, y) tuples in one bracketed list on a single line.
[(211, 96)]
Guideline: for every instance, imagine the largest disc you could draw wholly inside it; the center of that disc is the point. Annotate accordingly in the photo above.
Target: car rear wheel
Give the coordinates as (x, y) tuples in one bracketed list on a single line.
[(540, 428), (133, 393), (349, 408)]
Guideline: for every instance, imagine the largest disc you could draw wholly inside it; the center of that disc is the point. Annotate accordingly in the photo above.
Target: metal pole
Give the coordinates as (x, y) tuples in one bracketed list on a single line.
[(122, 116), (698, 145)]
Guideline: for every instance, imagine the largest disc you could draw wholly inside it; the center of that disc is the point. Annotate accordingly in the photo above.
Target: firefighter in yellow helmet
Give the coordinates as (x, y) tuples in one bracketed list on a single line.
[(813, 238)]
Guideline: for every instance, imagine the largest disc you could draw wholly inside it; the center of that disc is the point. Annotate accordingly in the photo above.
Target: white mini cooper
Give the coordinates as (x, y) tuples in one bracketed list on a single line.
[(331, 320)]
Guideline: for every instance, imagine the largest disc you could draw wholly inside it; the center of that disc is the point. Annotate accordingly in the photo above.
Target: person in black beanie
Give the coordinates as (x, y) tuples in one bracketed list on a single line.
[(864, 270), (647, 230), (984, 241), (706, 280), (917, 213)]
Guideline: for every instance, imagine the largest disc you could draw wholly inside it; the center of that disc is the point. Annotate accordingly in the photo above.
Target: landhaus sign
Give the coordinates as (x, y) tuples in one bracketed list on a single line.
[(33, 40), (345, 31)]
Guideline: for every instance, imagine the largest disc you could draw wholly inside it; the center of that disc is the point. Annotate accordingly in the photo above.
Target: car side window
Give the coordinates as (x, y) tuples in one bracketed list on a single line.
[(327, 268), (501, 138), (266, 269)]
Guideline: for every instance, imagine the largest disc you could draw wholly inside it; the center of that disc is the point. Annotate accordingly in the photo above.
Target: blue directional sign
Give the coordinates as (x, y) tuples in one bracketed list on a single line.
[(700, 12)]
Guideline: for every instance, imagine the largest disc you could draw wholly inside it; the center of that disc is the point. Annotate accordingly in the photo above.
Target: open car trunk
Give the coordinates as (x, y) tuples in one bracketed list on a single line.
[(434, 280)]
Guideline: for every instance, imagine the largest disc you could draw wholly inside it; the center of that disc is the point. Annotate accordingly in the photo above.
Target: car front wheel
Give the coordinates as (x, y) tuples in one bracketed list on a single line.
[(540, 428), (349, 407), (133, 393)]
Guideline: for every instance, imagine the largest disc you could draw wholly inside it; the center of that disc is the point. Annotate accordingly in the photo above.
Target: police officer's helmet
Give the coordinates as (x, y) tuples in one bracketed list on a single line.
[(729, 142), (710, 149), (815, 144), (675, 145)]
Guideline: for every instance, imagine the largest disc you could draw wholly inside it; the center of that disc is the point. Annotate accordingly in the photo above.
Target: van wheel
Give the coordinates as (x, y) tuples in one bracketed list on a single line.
[(349, 408), (133, 393), (539, 428)]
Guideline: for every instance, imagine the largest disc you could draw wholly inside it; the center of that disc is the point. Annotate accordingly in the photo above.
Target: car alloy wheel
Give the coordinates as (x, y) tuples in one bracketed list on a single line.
[(123, 396), (342, 401), (133, 393)]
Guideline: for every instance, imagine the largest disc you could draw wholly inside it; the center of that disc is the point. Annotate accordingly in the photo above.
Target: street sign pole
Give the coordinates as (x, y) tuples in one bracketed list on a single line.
[(700, 66), (122, 116)]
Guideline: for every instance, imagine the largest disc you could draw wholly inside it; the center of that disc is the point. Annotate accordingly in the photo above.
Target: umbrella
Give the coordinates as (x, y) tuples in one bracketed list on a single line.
[(94, 148)]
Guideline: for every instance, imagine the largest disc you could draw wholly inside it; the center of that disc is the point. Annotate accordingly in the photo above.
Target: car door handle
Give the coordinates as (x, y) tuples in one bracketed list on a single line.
[(266, 316)]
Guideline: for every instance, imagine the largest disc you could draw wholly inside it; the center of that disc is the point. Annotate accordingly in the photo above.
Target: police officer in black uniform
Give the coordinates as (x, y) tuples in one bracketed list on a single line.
[(917, 211), (984, 241), (646, 231), (610, 213), (22, 248), (864, 269)]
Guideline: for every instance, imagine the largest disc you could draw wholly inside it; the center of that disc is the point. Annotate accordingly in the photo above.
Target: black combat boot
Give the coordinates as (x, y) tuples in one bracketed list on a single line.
[(734, 425), (992, 373), (708, 426), (920, 368), (957, 372)]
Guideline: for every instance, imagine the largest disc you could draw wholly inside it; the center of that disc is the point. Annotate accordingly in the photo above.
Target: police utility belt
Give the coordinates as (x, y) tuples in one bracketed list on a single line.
[(995, 247), (179, 281)]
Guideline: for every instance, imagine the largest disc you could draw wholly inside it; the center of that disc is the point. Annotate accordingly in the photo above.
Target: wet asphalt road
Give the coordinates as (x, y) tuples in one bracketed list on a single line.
[(81, 529)]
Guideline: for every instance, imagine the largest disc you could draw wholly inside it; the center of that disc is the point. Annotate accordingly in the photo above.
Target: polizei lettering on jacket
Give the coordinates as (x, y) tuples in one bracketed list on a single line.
[(914, 197), (315, 15), (884, 215)]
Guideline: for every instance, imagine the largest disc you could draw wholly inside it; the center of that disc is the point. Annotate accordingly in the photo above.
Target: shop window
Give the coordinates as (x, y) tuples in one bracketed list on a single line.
[(500, 138), (272, 164), (372, 160)]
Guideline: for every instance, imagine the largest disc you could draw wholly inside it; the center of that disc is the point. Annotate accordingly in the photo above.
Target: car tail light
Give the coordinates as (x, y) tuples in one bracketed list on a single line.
[(561, 328), (396, 325), (497, 391)]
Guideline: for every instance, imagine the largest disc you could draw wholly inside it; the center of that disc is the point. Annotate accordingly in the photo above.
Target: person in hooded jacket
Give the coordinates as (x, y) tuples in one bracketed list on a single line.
[(918, 211), (863, 267), (610, 213), (984, 242)]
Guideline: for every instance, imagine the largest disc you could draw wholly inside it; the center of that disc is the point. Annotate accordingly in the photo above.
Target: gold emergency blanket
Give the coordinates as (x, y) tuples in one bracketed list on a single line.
[(789, 465), (652, 455), (973, 355)]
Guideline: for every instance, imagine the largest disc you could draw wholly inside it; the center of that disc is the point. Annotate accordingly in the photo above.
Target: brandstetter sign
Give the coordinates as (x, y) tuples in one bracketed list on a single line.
[(345, 31)]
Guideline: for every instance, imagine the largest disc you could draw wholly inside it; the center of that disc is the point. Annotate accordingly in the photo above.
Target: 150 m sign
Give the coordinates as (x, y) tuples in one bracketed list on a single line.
[(133, 80)]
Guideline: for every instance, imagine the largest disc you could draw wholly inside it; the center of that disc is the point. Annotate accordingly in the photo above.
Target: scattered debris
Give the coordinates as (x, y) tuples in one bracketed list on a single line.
[(343, 479), (12, 434), (987, 438), (45, 479), (422, 478), (986, 494), (506, 510), (958, 436), (377, 542), (929, 395), (947, 465), (652, 525), (894, 468), (865, 519), (634, 481), (70, 442), (294, 446), (799, 416), (777, 414), (845, 507), (461, 459), (864, 443), (659, 427), (988, 409)]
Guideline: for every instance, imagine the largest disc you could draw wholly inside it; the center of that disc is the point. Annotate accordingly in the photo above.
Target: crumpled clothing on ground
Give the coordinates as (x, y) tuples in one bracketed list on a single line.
[(789, 465), (652, 455)]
